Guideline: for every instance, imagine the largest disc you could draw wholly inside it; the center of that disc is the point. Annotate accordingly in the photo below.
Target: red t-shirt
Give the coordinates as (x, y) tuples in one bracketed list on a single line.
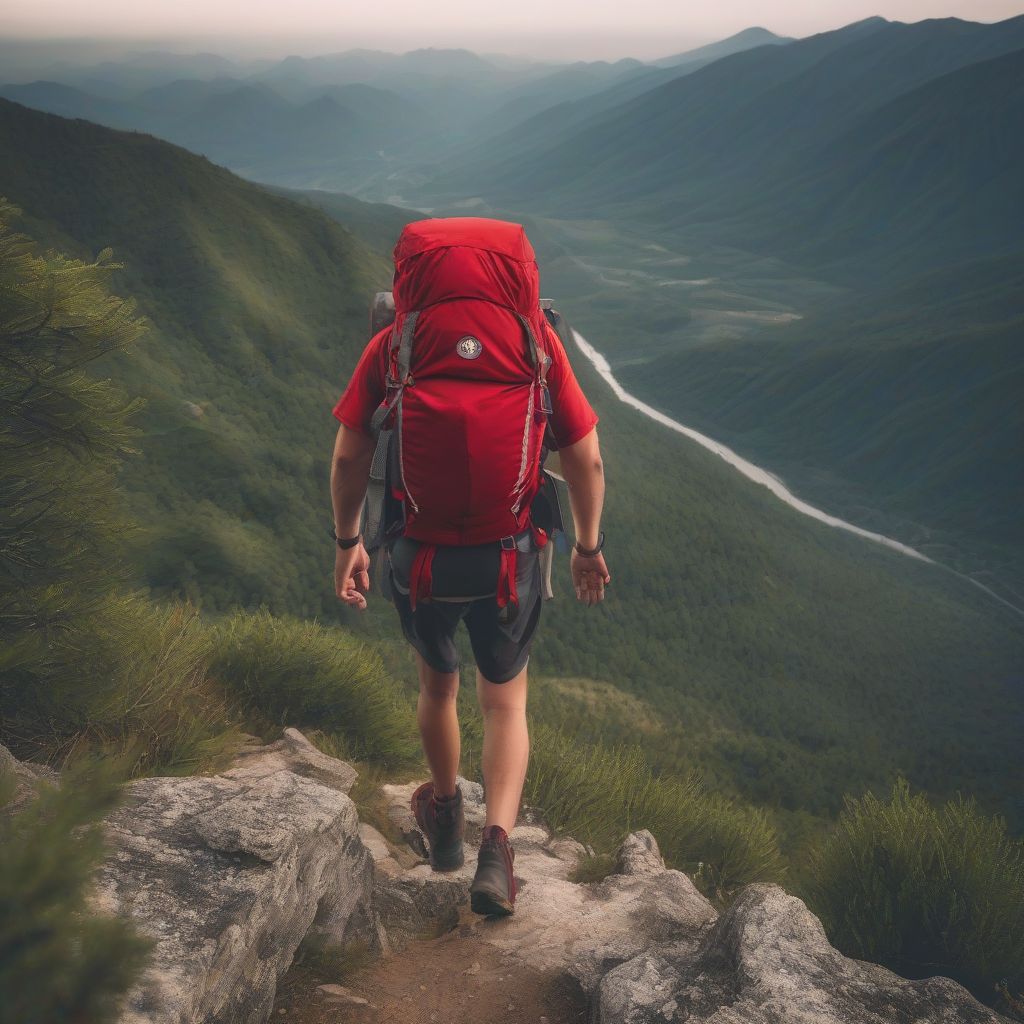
[(572, 419)]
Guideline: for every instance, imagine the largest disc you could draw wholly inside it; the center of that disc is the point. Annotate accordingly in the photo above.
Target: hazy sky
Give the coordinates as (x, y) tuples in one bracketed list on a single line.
[(544, 28)]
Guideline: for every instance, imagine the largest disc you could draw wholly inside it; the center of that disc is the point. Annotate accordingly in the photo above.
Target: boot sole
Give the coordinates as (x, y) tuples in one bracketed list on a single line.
[(483, 901)]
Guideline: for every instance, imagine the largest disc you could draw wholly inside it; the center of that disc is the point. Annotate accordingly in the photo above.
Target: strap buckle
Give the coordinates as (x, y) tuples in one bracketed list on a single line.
[(508, 543)]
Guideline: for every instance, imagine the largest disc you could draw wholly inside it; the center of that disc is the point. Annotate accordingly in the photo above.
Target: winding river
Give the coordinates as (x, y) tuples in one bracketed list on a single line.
[(759, 475)]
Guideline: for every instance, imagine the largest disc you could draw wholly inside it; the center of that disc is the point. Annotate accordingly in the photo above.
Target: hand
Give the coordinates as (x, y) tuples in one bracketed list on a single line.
[(351, 575), (589, 576)]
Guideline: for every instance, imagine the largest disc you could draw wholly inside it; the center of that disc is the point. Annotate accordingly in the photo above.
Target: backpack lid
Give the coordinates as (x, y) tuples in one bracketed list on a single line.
[(446, 258), (499, 236)]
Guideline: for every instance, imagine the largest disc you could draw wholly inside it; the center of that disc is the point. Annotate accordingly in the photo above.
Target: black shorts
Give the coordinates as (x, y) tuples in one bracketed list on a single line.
[(501, 649)]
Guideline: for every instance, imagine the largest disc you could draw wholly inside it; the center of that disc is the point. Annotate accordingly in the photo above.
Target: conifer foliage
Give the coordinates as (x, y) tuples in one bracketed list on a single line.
[(62, 435), (58, 960)]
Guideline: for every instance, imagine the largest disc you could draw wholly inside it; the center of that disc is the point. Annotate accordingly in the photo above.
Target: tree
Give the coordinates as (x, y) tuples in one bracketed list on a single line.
[(63, 434)]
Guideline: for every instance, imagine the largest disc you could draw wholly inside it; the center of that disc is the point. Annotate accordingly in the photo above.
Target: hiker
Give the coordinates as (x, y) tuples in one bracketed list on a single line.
[(475, 384)]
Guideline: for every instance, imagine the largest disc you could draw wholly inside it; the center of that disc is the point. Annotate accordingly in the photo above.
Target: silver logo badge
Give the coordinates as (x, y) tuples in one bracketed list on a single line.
[(468, 347)]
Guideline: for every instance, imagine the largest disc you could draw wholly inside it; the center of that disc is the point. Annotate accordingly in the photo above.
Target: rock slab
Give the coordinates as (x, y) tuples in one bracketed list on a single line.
[(228, 873), (767, 960)]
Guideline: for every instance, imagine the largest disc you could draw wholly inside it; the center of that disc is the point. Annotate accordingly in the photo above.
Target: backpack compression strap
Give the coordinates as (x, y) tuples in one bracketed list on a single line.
[(375, 528)]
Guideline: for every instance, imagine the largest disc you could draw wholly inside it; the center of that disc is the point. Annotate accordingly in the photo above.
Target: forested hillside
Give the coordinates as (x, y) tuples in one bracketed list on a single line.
[(259, 307), (789, 662)]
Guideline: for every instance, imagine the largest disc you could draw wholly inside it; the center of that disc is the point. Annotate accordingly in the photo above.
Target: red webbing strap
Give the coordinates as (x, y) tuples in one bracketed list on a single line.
[(420, 575), (507, 572)]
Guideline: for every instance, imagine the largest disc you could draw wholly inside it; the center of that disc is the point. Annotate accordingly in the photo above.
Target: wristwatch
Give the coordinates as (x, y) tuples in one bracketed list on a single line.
[(590, 552), (346, 542)]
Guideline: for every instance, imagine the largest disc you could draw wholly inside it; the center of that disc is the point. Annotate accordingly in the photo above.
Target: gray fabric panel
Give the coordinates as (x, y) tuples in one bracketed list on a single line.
[(375, 493), (405, 349), (546, 557), (530, 338)]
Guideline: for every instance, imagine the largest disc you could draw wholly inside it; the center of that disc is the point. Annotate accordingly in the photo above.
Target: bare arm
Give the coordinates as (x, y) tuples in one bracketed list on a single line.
[(583, 471), (350, 475)]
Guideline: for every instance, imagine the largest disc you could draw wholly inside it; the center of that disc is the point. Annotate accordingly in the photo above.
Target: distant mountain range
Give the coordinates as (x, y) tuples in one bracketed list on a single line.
[(340, 120), (745, 40), (720, 144)]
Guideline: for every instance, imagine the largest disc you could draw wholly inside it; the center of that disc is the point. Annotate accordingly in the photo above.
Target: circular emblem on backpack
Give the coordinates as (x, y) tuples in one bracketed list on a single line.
[(468, 347)]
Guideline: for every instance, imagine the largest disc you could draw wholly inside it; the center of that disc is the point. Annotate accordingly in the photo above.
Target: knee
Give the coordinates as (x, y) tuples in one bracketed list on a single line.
[(439, 688), (503, 697)]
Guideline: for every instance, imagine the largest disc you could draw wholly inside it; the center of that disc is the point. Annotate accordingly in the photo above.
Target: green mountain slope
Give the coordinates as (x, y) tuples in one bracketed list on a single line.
[(913, 396), (929, 178), (788, 661), (259, 305)]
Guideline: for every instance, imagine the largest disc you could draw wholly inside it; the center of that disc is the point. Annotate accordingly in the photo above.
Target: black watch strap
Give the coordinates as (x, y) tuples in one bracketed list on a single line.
[(346, 542), (590, 552)]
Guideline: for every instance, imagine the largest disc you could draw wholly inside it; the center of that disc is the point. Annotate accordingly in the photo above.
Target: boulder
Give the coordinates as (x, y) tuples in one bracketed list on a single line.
[(646, 947), (230, 872), (27, 776), (767, 960)]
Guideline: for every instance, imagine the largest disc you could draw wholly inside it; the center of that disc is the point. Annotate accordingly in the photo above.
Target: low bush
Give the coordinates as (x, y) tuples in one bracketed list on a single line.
[(285, 671), (924, 890), (598, 795), (139, 691)]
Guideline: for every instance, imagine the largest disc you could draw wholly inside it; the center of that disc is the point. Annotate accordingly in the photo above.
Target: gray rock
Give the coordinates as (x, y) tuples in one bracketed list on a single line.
[(767, 960), (27, 776), (639, 854), (338, 995), (229, 872)]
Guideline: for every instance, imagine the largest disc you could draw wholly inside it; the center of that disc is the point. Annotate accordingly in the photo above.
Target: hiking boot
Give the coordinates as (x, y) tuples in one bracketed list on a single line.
[(442, 820), (493, 890)]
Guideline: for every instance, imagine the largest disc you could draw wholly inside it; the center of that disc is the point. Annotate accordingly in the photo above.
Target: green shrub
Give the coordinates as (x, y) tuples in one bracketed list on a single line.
[(60, 961), (290, 672), (924, 890), (599, 795), (138, 691)]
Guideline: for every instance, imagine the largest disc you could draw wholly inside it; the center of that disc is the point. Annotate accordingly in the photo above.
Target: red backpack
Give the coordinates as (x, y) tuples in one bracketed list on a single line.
[(462, 429)]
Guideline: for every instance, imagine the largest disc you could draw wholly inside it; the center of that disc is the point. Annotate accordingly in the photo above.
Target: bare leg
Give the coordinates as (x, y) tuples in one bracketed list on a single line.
[(438, 722), (506, 748)]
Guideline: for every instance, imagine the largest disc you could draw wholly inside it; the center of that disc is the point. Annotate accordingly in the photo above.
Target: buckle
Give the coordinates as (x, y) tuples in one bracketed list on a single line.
[(511, 543)]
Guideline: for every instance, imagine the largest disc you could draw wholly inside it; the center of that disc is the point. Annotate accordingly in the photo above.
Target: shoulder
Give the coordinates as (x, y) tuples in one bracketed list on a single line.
[(573, 416)]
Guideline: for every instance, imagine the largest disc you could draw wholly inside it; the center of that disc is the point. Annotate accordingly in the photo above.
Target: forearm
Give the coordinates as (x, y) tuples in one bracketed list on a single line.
[(583, 471), (350, 475)]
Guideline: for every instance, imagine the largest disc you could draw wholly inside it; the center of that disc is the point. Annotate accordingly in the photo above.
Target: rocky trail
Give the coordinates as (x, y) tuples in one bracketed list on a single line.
[(238, 875)]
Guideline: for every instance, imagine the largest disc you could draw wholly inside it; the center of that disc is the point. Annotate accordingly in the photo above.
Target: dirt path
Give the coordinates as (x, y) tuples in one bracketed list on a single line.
[(457, 978)]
